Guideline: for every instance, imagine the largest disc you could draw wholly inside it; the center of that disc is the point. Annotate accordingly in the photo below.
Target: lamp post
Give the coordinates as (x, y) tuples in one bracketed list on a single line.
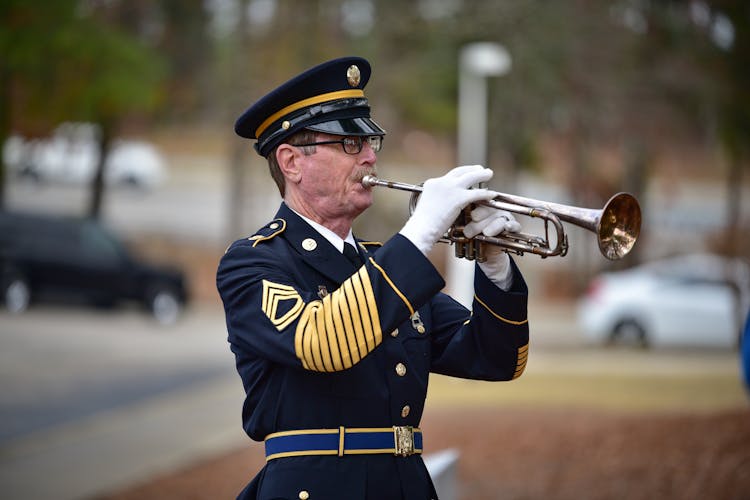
[(477, 62)]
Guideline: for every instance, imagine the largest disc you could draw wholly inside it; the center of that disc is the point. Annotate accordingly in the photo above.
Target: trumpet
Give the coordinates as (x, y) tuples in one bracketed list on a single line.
[(616, 225)]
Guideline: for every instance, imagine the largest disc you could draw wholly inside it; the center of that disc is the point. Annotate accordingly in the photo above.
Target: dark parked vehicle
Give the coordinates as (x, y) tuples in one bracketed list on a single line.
[(52, 258)]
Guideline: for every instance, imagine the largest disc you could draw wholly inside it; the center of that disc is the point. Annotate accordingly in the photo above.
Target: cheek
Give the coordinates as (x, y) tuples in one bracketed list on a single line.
[(319, 181)]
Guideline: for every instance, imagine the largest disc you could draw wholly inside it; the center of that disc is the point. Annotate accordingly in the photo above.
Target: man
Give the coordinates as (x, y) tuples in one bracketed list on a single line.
[(334, 353)]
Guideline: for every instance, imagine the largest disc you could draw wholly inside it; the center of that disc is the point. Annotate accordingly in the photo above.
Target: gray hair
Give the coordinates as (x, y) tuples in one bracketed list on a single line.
[(304, 136)]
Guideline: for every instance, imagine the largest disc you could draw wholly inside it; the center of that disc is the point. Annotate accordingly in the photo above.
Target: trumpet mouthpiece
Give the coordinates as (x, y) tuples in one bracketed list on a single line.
[(369, 181)]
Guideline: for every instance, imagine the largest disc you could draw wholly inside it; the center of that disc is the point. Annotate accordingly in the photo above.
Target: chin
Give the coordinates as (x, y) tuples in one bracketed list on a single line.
[(362, 203)]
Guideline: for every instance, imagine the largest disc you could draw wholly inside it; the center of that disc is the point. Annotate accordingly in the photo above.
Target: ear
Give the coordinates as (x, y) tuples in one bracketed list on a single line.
[(287, 157)]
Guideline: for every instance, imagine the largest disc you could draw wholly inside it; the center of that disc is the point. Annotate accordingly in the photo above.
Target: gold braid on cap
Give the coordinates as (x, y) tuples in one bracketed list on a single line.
[(330, 96)]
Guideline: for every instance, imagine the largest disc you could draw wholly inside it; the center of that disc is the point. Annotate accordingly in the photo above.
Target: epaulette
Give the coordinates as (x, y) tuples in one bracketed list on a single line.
[(273, 228)]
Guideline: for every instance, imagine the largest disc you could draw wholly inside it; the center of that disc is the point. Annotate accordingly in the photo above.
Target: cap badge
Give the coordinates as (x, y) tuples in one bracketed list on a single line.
[(353, 75)]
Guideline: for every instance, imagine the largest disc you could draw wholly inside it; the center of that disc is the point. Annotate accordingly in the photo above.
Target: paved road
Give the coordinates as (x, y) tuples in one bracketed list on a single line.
[(82, 362), (93, 400)]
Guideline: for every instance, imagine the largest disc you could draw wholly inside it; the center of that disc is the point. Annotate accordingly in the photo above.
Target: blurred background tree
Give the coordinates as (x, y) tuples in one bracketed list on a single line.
[(72, 61)]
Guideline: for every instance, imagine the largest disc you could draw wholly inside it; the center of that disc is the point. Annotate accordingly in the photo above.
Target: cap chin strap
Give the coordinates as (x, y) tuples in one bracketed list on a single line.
[(308, 114), (310, 101)]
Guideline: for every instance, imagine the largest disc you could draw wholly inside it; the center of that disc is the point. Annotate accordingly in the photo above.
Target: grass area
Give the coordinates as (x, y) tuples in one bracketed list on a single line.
[(609, 392)]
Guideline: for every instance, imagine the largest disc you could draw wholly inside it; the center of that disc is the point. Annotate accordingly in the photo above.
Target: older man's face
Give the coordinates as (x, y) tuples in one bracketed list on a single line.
[(332, 179)]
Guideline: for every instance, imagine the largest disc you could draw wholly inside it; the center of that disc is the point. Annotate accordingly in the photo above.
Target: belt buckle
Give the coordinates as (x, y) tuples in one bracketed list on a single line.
[(403, 437)]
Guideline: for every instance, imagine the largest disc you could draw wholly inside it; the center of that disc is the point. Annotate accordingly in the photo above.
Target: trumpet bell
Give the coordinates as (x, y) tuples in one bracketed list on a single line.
[(619, 226)]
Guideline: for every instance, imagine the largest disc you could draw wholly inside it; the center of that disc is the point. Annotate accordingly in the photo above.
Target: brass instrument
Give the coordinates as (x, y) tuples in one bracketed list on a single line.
[(616, 226)]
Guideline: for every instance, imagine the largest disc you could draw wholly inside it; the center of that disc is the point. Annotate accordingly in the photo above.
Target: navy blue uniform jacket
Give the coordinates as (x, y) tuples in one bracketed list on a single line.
[(317, 343)]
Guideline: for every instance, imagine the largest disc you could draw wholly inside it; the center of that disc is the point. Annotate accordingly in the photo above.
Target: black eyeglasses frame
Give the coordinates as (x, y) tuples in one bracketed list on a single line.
[(355, 143)]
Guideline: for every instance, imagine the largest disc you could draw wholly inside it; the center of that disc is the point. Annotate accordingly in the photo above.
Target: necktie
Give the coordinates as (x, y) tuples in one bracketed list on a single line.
[(352, 255)]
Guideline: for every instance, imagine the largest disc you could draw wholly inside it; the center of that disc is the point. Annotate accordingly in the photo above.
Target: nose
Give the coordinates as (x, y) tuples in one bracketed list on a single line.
[(367, 153)]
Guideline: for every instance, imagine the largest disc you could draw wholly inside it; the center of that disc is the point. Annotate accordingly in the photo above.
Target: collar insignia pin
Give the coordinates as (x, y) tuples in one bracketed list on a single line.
[(416, 323)]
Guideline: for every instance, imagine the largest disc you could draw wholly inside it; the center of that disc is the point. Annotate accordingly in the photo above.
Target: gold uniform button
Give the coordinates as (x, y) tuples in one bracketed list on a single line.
[(309, 244), (303, 495), (274, 225), (405, 411), (401, 369), (420, 328), (394, 333)]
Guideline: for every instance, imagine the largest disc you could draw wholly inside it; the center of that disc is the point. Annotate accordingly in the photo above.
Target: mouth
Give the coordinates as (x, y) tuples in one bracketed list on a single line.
[(364, 173)]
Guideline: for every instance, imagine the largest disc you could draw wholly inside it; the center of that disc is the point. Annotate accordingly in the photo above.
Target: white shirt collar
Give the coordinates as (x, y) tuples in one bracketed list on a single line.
[(334, 238)]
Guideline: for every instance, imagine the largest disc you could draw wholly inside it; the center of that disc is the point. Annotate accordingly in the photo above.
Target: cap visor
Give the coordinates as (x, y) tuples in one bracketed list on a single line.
[(348, 126)]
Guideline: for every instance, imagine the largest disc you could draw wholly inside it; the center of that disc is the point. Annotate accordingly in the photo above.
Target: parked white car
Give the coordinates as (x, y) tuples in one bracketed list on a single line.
[(688, 300), (70, 155)]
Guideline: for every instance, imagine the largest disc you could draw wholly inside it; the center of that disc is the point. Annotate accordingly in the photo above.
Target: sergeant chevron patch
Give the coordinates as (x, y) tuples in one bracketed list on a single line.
[(281, 303)]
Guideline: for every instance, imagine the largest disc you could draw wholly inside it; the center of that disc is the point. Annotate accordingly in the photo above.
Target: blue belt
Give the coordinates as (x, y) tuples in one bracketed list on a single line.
[(401, 441)]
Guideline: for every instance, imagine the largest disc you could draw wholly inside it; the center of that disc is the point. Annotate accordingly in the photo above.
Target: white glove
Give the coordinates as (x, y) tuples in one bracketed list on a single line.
[(491, 222), (441, 201)]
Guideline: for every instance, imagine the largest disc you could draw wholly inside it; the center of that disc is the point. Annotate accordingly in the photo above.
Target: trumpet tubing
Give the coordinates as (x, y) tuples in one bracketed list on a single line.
[(617, 225)]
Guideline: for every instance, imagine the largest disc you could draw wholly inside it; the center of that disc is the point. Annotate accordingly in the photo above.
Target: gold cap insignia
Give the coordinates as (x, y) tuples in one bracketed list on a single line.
[(353, 75)]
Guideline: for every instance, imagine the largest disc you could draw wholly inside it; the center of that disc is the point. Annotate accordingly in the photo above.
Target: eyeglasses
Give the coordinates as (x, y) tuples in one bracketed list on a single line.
[(352, 145)]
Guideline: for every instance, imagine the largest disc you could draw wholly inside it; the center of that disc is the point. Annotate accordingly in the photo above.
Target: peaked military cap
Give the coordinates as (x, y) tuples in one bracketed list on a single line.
[(327, 98)]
